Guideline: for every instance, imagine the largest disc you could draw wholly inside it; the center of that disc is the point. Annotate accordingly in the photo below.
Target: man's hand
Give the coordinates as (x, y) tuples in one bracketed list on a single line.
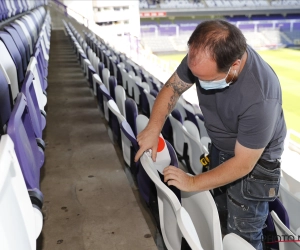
[(147, 139), (178, 178)]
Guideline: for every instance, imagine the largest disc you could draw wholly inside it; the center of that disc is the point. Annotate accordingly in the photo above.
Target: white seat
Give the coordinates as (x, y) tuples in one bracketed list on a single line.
[(234, 242), (174, 219), (8, 67), (96, 80), (26, 33), (178, 135), (294, 185), (195, 147), (136, 91), (150, 98), (120, 99), (21, 223), (141, 123), (115, 110), (41, 98), (291, 203), (204, 137), (130, 84), (105, 77), (180, 104), (281, 230)]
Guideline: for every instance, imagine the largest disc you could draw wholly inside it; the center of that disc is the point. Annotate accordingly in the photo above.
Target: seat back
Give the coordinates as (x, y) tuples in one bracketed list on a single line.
[(291, 203), (96, 81), (178, 134), (294, 184), (14, 53), (38, 121), (18, 222), (234, 242), (120, 99), (7, 64), (106, 98), (195, 147), (30, 156), (105, 78), (115, 118), (281, 230), (175, 222), (5, 101), (112, 81), (144, 104), (131, 114), (151, 100)]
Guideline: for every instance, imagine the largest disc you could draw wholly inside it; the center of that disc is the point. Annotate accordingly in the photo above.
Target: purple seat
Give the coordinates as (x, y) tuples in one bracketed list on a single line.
[(176, 114), (14, 53), (112, 81), (131, 112), (154, 92), (30, 156), (5, 103), (144, 104), (191, 117), (30, 31), (270, 232), (23, 39), (167, 131), (15, 36), (38, 118), (100, 68)]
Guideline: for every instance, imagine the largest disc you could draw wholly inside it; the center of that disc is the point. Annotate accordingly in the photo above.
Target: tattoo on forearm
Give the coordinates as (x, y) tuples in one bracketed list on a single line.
[(178, 86)]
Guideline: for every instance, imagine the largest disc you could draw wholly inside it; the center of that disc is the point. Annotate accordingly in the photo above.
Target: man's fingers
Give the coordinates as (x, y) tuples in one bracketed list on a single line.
[(138, 154), (169, 177), (173, 183)]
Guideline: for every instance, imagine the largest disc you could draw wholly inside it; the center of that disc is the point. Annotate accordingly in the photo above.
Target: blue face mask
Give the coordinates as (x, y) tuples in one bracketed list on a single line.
[(218, 84)]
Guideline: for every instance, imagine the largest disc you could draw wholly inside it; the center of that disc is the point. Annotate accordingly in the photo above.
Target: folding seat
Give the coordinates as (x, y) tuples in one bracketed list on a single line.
[(21, 221), (18, 42), (269, 232), (180, 104), (204, 137), (199, 205), (190, 114), (291, 202), (144, 104), (96, 81), (112, 82), (176, 224), (38, 116), (23, 38), (150, 98), (106, 97), (28, 36), (234, 242), (112, 65), (282, 230), (292, 179), (120, 66), (9, 8), (5, 101), (8, 65), (115, 118), (131, 111), (31, 157), (120, 99), (136, 83), (15, 55), (105, 77), (178, 135), (194, 147), (38, 83)]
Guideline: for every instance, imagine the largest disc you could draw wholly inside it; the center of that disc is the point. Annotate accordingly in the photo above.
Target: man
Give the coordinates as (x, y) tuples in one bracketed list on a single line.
[(240, 97)]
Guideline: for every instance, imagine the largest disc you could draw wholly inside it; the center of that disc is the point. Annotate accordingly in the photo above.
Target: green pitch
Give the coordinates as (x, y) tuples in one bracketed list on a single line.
[(286, 64)]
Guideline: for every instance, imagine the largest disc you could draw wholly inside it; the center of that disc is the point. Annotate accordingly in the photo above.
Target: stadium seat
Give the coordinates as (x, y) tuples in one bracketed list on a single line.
[(150, 98), (120, 99), (5, 101), (106, 97), (195, 147), (105, 76), (281, 230), (131, 111), (234, 242), (21, 222), (112, 81)]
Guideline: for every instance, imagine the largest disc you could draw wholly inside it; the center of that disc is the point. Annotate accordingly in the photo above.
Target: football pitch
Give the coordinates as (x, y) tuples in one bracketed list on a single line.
[(286, 64)]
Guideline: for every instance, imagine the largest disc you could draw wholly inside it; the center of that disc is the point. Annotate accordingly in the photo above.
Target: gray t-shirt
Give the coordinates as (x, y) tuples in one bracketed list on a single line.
[(249, 110)]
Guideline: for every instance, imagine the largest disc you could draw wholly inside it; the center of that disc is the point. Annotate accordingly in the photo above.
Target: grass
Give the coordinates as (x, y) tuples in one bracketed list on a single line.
[(286, 64)]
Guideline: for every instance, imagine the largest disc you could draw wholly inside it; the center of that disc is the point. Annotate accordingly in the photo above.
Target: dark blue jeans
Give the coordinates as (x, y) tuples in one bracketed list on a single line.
[(243, 204)]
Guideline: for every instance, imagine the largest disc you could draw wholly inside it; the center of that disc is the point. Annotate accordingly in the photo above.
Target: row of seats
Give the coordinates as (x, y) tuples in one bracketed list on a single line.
[(10, 8), (125, 95), (24, 50)]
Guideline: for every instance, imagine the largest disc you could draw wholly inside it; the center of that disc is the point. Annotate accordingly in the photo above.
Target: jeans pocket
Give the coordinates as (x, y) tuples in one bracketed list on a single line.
[(261, 184), (250, 225)]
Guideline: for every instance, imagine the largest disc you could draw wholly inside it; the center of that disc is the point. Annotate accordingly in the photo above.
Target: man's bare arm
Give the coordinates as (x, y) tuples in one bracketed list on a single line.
[(163, 106)]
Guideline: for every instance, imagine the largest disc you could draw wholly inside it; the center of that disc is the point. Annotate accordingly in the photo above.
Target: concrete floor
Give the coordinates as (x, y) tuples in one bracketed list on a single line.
[(89, 203)]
